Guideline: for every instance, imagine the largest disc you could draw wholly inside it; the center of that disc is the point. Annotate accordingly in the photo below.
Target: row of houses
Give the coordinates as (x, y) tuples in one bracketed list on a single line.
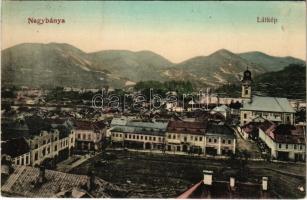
[(51, 146), (271, 121), (203, 138), (283, 141)]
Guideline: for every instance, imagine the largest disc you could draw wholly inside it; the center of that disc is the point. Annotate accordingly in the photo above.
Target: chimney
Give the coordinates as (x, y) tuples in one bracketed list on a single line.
[(232, 182), (207, 177), (264, 183), (41, 176), (91, 181)]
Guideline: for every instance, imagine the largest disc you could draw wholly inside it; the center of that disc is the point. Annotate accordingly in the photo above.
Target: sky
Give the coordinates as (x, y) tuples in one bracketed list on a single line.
[(175, 30)]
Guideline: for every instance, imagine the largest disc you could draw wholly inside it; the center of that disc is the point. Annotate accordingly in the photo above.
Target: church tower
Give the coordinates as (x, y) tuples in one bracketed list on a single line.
[(247, 85)]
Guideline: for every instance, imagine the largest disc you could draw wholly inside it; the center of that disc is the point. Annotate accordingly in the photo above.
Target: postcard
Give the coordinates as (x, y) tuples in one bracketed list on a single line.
[(153, 99)]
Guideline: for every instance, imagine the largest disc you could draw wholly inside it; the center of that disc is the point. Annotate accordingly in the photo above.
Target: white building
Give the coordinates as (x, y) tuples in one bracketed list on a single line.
[(54, 145), (274, 109), (286, 142), (89, 135), (176, 137)]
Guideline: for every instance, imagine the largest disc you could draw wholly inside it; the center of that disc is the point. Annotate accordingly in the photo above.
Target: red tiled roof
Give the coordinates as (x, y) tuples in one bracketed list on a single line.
[(187, 127), (266, 125), (284, 133), (88, 125)]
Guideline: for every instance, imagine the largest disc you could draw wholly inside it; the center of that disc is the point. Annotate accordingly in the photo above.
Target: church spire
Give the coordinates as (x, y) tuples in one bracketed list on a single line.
[(246, 84)]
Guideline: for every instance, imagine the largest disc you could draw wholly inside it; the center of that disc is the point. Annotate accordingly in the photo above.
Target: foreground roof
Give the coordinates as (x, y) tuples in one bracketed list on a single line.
[(270, 104), (221, 189), (21, 183)]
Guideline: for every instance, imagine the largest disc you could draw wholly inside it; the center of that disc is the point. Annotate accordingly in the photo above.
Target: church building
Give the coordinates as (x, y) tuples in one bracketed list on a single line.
[(275, 109)]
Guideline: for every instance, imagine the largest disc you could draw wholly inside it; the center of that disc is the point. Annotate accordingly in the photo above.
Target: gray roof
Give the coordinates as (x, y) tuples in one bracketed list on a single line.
[(119, 121), (220, 130), (148, 125), (270, 104), (140, 127)]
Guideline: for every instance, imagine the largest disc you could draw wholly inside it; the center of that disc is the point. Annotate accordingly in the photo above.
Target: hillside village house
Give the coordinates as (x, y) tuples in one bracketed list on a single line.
[(274, 109), (286, 142), (89, 135)]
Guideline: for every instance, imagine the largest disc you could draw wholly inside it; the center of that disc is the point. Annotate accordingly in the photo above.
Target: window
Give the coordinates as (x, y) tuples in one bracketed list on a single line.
[(36, 146), (149, 137), (209, 139), (133, 136), (200, 138), (72, 140), (79, 136), (145, 137), (245, 115), (286, 146), (129, 136), (27, 159), (178, 148), (215, 140), (89, 137), (223, 141), (48, 150), (154, 138), (137, 137), (169, 136), (36, 156), (185, 139), (83, 136), (196, 138), (44, 141), (141, 137), (55, 147), (44, 152), (125, 136), (174, 136), (17, 163), (229, 141), (191, 137), (246, 91), (279, 146), (288, 119), (301, 147), (295, 146)]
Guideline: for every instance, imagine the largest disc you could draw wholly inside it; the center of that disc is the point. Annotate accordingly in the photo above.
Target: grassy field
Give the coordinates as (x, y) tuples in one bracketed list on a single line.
[(156, 176)]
